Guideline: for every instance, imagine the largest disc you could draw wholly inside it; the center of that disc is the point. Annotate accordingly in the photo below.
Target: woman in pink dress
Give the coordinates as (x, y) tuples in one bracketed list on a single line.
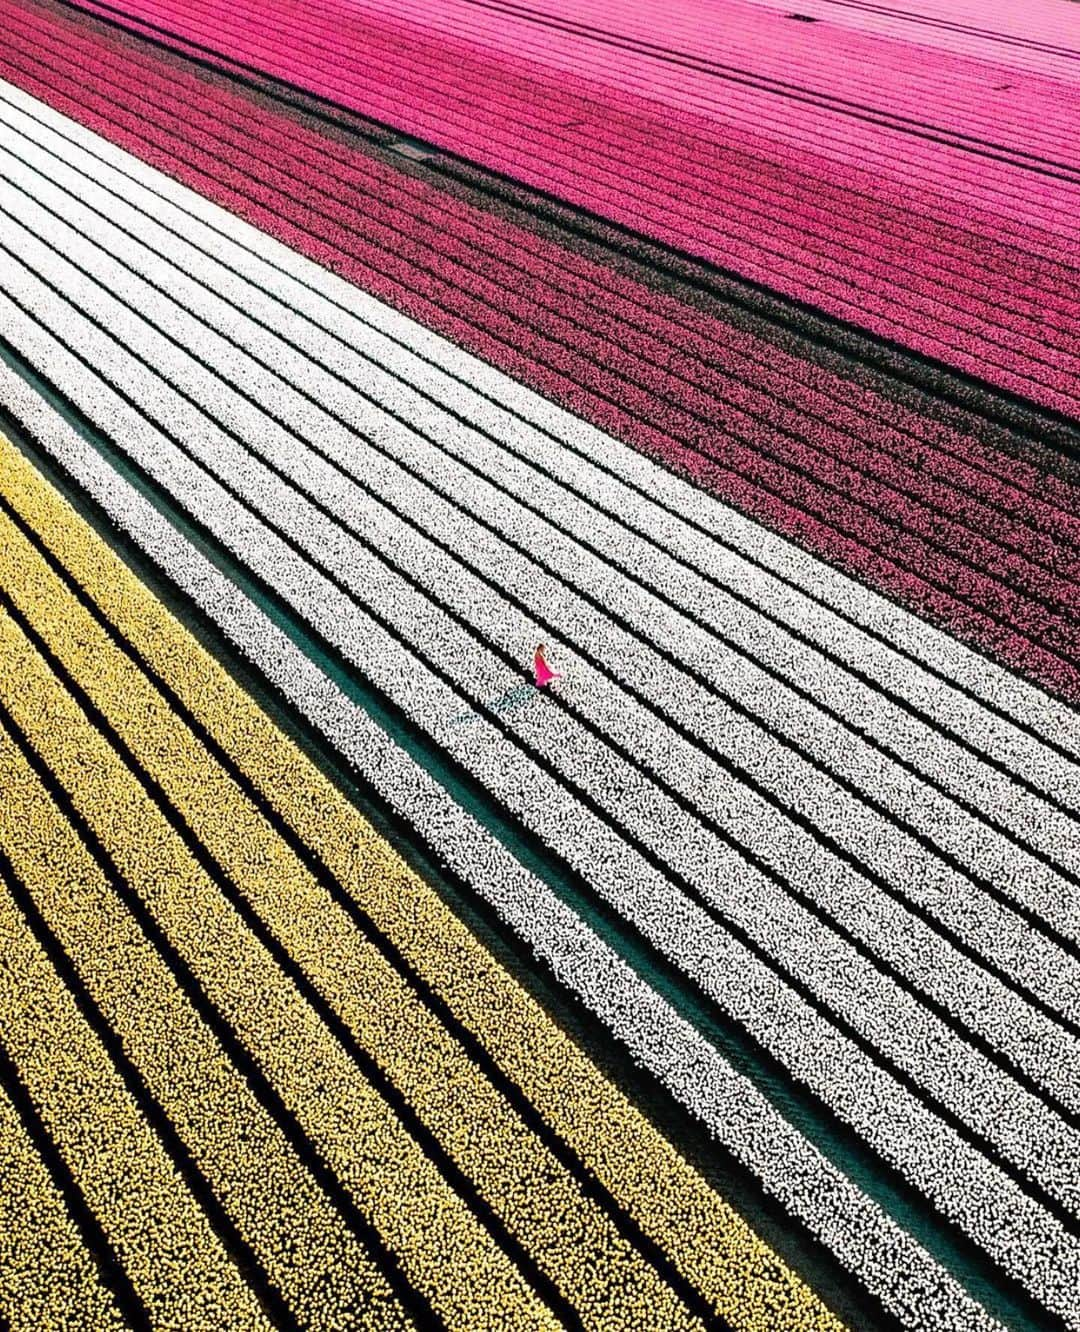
[(544, 673)]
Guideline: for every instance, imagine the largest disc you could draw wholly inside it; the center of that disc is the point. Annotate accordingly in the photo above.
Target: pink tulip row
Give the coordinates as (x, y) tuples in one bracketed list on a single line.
[(935, 30), (847, 187), (965, 545), (396, 49), (622, 155), (687, 55), (1036, 37), (454, 84), (514, 236)]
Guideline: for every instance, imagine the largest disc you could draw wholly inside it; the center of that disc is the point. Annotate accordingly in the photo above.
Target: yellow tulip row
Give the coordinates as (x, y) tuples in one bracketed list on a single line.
[(47, 1276), (711, 1244), (148, 1214), (442, 1248), (289, 1225), (575, 1241)]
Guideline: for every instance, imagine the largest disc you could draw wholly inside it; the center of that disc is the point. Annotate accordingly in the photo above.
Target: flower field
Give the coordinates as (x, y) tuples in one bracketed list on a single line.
[(981, 544), (345, 355)]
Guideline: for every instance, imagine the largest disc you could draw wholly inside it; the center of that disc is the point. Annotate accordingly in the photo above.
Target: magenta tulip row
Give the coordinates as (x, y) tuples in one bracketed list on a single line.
[(678, 173), (687, 58), (1037, 37)]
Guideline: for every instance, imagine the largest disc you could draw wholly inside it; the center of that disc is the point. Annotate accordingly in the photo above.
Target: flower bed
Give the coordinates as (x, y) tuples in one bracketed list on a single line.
[(519, 1180), (709, 1243)]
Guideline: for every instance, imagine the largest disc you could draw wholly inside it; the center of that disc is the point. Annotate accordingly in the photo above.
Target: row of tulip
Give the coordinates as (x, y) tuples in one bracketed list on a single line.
[(455, 236), (760, 116), (176, 1264), (48, 1277), (774, 917), (291, 139), (973, 1193), (413, 79), (1037, 39), (893, 1267), (709, 1243), (1006, 599), (845, 65), (600, 1275), (815, 212), (758, 120), (1014, 1027), (909, 84), (875, 296), (824, 879)]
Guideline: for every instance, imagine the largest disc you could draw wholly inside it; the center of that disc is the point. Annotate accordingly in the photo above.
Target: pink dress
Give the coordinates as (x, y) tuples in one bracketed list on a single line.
[(544, 673)]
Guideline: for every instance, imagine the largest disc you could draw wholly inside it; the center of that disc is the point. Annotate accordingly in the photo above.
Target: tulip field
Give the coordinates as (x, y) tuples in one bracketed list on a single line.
[(731, 350)]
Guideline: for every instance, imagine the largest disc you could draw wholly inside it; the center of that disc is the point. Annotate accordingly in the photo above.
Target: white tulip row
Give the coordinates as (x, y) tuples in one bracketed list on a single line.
[(1009, 1225), (910, 1284), (524, 424), (885, 1015)]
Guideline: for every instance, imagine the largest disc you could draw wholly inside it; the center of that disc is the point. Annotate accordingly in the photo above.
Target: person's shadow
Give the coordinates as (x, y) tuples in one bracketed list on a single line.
[(513, 700)]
